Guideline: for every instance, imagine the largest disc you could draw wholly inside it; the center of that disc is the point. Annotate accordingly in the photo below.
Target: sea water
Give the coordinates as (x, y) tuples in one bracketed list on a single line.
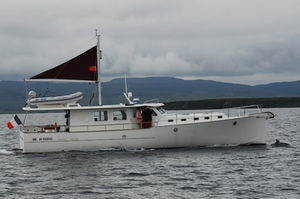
[(210, 172)]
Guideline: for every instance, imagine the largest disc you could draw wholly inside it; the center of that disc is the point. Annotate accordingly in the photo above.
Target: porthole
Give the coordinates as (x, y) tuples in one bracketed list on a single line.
[(234, 123)]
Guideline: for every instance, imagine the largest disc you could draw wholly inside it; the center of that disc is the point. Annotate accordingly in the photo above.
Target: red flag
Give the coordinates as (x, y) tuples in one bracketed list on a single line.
[(9, 125), (93, 68)]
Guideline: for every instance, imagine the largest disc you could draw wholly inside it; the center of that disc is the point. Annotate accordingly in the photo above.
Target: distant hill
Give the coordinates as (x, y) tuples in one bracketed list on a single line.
[(166, 89), (274, 102)]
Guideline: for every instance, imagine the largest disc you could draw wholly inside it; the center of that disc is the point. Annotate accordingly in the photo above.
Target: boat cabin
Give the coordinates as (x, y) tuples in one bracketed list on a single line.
[(106, 118), (97, 118)]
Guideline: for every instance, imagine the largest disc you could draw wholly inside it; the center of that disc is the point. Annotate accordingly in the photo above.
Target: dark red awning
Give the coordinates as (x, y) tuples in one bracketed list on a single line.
[(83, 67)]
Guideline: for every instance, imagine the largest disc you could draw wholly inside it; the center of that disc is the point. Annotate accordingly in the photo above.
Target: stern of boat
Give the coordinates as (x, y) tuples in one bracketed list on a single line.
[(21, 140)]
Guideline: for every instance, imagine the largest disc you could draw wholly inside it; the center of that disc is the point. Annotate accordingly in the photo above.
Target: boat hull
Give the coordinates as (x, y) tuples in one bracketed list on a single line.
[(234, 131)]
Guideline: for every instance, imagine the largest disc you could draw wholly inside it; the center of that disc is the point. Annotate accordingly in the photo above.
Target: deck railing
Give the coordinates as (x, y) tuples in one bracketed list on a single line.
[(243, 110), (212, 115), (80, 128)]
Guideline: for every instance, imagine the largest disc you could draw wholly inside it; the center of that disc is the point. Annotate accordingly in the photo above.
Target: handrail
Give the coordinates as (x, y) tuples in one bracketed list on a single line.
[(244, 110), (246, 107), (230, 113), (87, 127), (155, 100)]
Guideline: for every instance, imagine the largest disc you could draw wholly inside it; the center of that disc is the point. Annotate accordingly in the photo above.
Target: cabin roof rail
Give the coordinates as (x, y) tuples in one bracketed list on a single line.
[(152, 100)]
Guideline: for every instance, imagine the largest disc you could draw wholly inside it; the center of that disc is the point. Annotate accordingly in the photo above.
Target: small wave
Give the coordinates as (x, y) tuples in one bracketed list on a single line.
[(3, 151), (278, 143), (127, 149), (179, 179), (111, 149), (138, 150), (184, 166), (188, 188), (136, 174)]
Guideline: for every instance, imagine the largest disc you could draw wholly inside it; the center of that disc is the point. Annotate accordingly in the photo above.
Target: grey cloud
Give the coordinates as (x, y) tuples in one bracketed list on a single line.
[(230, 39)]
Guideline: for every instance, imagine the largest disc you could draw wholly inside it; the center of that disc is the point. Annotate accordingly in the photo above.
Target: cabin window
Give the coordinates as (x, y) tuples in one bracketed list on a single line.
[(206, 118), (196, 118), (119, 115), (183, 120), (153, 113), (73, 105), (100, 116), (220, 116)]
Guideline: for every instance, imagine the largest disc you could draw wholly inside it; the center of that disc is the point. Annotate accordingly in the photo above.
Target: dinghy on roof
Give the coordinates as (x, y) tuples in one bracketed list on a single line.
[(58, 101)]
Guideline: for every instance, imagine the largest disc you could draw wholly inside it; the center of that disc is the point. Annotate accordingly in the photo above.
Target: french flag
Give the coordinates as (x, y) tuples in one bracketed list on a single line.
[(15, 121)]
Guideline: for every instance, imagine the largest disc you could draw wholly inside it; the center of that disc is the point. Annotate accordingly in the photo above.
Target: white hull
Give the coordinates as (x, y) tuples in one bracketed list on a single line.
[(248, 130)]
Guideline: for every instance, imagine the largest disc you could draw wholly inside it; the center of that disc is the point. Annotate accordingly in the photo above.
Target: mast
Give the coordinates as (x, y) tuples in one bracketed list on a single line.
[(126, 89), (99, 57)]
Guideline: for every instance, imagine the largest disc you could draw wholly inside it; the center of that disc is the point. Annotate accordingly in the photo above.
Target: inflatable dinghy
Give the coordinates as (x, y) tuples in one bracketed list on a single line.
[(58, 101)]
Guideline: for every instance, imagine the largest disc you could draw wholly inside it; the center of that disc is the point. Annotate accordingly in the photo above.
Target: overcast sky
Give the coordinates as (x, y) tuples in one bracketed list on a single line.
[(241, 41)]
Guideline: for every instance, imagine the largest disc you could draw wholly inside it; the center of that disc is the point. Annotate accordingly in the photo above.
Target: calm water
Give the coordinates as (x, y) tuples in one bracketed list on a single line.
[(214, 172)]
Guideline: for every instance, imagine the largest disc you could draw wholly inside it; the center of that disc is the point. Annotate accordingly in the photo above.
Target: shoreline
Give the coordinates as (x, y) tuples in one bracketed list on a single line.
[(202, 104), (273, 102)]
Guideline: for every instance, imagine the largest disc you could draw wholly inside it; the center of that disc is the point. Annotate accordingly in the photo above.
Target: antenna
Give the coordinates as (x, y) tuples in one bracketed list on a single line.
[(127, 94)]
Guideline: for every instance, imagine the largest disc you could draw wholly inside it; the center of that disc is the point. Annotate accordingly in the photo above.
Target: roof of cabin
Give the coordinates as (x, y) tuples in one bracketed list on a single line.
[(78, 107)]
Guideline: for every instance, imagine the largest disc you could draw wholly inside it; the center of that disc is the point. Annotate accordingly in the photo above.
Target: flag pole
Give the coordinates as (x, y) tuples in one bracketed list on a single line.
[(99, 57)]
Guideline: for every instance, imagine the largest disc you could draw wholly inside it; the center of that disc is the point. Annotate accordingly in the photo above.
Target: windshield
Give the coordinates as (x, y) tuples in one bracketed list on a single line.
[(161, 110)]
